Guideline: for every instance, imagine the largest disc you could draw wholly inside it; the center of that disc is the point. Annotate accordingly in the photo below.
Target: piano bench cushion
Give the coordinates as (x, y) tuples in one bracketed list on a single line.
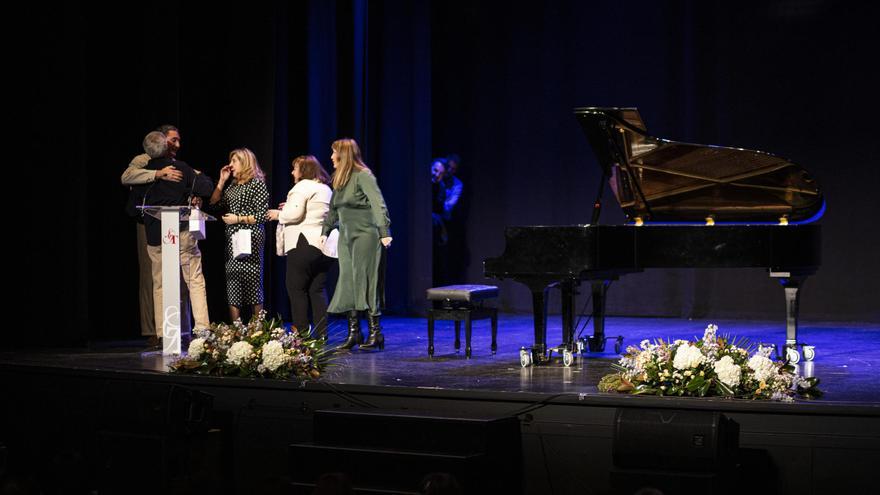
[(463, 293)]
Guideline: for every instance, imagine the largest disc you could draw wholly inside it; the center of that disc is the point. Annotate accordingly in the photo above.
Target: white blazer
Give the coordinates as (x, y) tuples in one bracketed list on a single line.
[(307, 205)]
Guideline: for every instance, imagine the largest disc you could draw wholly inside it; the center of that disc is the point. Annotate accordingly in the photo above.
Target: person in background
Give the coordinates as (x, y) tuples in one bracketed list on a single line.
[(302, 216), (453, 184), (359, 210), (245, 201), (439, 235), (455, 222)]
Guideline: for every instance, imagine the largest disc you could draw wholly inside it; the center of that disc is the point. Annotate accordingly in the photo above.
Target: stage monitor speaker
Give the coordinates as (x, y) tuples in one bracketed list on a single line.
[(669, 439), (155, 438), (392, 451), (4, 460), (154, 408)]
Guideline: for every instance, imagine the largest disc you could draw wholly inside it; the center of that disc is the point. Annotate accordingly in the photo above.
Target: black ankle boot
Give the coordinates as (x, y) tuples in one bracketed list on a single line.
[(376, 339), (355, 336)]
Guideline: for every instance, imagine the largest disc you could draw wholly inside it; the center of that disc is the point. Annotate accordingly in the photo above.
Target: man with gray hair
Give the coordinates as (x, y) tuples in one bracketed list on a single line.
[(136, 175), (155, 145), (174, 193)]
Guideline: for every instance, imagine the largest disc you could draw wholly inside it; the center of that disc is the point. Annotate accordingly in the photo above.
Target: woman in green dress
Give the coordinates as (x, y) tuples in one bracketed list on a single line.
[(359, 211)]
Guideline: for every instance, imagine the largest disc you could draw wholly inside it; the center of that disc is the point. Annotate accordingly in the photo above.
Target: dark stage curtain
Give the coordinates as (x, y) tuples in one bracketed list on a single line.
[(790, 78), (282, 79)]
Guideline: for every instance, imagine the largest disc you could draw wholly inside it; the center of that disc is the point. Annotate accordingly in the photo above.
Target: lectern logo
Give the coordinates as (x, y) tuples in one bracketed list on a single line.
[(169, 238)]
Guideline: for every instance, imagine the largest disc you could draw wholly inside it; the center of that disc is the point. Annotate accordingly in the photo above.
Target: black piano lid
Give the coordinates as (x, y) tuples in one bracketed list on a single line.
[(670, 182)]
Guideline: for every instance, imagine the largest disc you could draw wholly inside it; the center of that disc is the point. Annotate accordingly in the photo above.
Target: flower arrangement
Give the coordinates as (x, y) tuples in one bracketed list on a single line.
[(712, 366), (261, 348)]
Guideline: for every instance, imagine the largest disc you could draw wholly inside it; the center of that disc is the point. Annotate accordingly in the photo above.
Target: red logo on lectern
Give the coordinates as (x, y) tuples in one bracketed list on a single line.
[(169, 238)]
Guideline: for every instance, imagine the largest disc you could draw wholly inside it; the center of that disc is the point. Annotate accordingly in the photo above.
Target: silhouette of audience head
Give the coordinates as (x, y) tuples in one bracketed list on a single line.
[(648, 490), (440, 484), (333, 484)]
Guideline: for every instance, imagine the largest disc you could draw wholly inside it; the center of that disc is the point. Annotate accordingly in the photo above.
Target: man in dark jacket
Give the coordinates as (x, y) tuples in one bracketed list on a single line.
[(135, 175), (169, 193)]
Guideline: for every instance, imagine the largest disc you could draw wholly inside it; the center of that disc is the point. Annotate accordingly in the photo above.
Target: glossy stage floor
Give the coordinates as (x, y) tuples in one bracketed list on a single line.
[(567, 425), (848, 357)]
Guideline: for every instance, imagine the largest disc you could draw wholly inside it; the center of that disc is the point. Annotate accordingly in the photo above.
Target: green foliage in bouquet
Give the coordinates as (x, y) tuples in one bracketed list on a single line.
[(262, 348), (713, 366)]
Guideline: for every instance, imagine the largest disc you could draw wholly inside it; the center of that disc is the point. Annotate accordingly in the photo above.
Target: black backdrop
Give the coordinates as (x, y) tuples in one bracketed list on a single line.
[(411, 80), (792, 78)]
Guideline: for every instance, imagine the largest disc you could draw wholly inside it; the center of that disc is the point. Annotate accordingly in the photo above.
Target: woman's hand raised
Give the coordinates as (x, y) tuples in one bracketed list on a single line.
[(225, 173)]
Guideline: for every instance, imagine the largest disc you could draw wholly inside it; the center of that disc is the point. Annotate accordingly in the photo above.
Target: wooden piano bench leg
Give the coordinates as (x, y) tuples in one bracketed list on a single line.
[(467, 334), (430, 333), (494, 330)]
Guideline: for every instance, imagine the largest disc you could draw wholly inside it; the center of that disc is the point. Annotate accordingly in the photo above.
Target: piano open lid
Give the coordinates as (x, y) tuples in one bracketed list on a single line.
[(666, 181)]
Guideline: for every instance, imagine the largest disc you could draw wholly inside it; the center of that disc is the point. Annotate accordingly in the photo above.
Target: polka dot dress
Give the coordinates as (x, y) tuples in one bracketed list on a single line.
[(244, 277)]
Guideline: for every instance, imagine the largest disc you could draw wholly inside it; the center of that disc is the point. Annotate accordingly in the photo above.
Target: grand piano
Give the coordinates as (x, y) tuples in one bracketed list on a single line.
[(687, 206)]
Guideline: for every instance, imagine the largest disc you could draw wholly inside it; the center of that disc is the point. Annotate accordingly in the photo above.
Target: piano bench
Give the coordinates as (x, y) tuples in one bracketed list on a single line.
[(461, 303)]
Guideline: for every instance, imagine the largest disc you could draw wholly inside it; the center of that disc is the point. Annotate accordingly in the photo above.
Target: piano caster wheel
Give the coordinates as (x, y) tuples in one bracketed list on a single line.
[(525, 358), (792, 355), (596, 345), (809, 352), (618, 345), (567, 358)]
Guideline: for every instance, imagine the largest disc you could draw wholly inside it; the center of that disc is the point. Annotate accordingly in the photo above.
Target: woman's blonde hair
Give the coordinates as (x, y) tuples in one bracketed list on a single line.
[(310, 168), (251, 168), (348, 159)]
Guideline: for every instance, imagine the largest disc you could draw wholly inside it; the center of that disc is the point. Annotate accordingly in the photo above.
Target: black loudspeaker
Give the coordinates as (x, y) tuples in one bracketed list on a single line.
[(156, 438), (398, 451), (145, 407), (4, 456), (668, 439)]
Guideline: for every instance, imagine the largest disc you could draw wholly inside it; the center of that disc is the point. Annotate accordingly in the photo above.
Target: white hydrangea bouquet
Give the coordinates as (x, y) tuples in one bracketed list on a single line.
[(713, 366), (262, 348)]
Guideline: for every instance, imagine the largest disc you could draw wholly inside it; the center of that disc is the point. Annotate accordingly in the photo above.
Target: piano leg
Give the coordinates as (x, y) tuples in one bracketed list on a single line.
[(539, 310), (568, 297), (792, 283), (597, 341)]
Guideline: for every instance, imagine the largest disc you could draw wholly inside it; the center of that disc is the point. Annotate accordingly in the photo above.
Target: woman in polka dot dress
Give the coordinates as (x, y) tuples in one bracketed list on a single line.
[(245, 202)]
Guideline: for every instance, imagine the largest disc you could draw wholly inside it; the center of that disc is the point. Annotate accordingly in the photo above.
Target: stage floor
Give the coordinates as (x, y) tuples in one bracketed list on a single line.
[(60, 399), (847, 357)]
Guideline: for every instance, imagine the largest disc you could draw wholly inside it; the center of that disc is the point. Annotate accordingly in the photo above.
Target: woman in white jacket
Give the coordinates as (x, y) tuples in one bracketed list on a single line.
[(302, 216)]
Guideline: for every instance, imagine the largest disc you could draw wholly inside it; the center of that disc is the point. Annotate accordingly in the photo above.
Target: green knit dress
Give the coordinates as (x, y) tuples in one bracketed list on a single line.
[(359, 211)]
